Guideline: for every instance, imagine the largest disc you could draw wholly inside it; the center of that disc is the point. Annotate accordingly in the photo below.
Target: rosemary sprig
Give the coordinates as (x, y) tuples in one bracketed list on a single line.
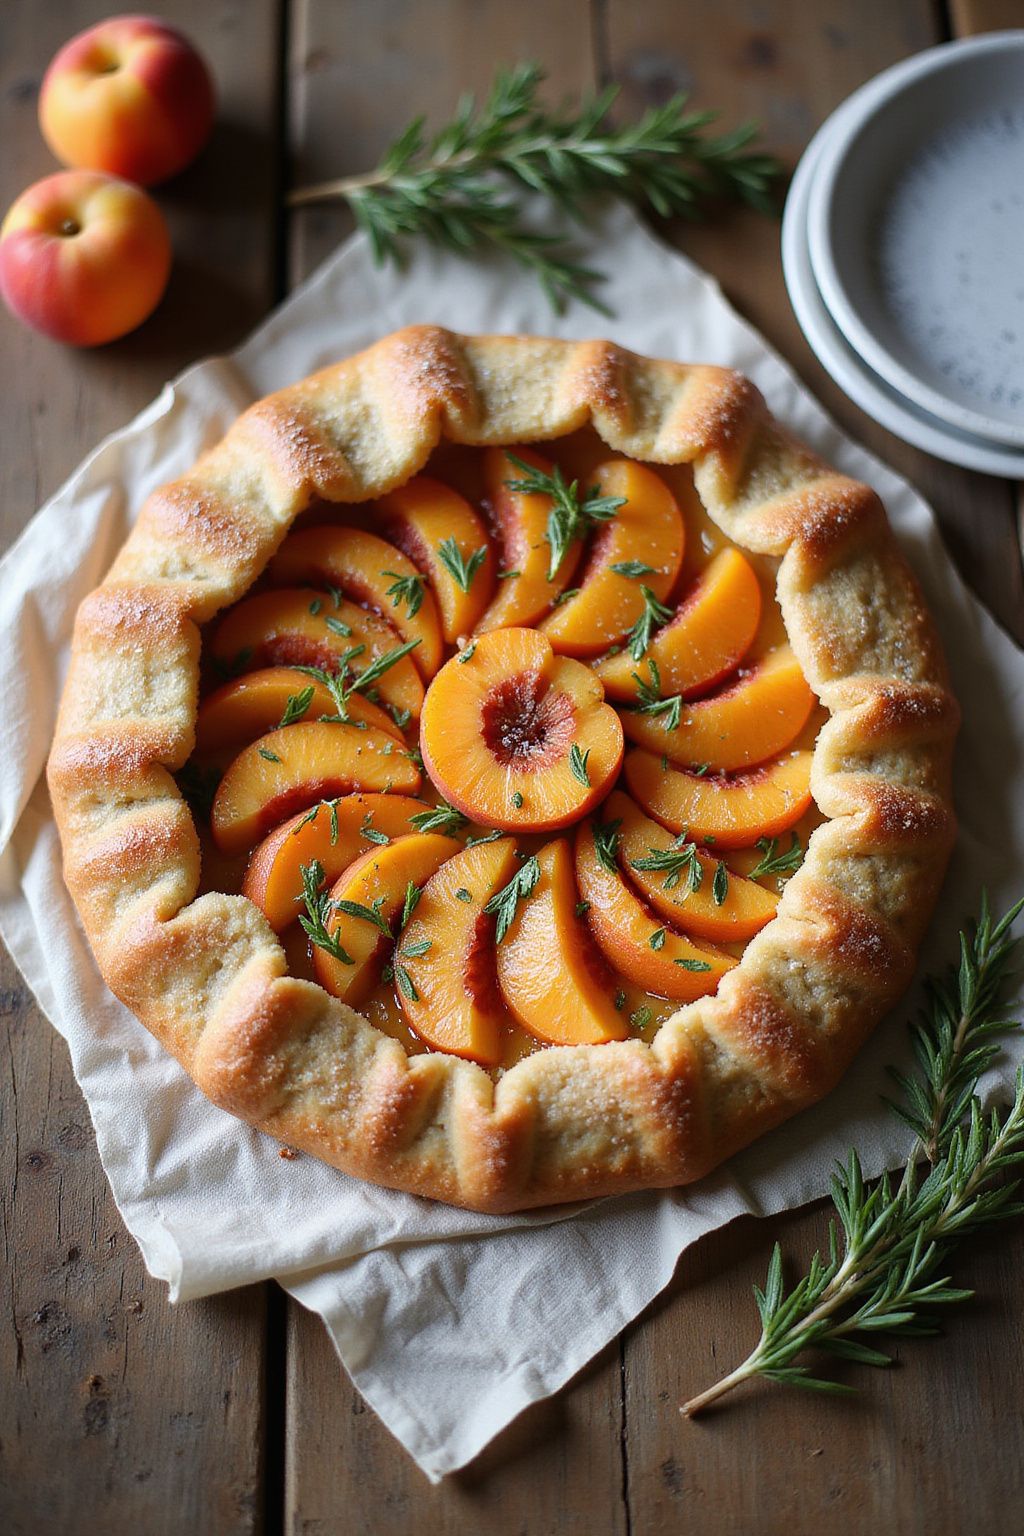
[(654, 612), (772, 862), (296, 706), (406, 589), (342, 683), (606, 843), (570, 514), (578, 764), (463, 188), (896, 1236), (440, 818), (458, 567), (650, 701), (318, 910), (683, 858), (504, 903)]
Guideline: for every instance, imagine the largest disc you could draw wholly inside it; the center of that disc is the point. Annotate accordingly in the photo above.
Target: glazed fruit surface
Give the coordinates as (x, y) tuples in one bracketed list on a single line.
[(572, 783)]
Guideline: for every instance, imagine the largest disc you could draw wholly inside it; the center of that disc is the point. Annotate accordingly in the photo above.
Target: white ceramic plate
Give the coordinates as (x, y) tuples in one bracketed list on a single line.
[(864, 387), (915, 226)]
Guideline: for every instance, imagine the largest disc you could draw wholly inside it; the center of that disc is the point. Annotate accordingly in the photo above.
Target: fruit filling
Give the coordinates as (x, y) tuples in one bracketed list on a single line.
[(517, 756)]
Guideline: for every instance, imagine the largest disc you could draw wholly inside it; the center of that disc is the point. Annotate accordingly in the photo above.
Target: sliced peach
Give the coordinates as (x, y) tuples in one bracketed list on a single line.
[(548, 971), (637, 944), (755, 718), (291, 769), (256, 702), (645, 535), (516, 737), (527, 589), (297, 626), (449, 991), (377, 883), (708, 637), (371, 571), (745, 906), (422, 516), (733, 810), (334, 832)]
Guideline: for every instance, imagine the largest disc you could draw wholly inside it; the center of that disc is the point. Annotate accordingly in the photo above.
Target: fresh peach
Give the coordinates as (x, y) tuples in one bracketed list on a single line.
[(449, 992), (83, 258), (549, 974), (517, 737), (291, 769), (334, 832), (130, 96), (443, 537), (709, 635), (730, 810), (526, 589), (645, 536), (297, 626), (371, 571), (378, 883), (693, 889), (636, 944), (256, 702), (754, 718)]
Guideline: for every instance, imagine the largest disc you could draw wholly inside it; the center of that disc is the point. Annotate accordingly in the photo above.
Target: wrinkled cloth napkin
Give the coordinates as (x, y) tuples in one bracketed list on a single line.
[(449, 1323)]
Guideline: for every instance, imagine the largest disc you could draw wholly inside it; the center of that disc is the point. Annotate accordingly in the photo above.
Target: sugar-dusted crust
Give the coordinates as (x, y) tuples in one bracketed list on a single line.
[(208, 976)]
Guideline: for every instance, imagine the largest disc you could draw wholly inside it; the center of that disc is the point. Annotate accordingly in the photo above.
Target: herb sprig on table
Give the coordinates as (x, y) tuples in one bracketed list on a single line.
[(886, 1264), (462, 189)]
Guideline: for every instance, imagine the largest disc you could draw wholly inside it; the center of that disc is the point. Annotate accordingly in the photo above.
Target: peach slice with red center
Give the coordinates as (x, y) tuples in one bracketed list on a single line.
[(640, 547), (257, 702), (688, 889), (296, 626), (335, 833), (371, 571), (290, 769), (441, 534), (637, 945), (364, 905), (753, 719), (549, 973), (449, 992), (710, 633), (517, 737), (731, 810), (527, 589)]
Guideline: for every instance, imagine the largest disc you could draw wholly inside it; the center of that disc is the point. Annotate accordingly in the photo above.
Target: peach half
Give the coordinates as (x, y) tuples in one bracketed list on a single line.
[(689, 901), (441, 534), (638, 945), (527, 589), (371, 571), (641, 546), (517, 737), (290, 769), (730, 810), (751, 720), (710, 633), (333, 832), (377, 885), (257, 702), (549, 973), (297, 626), (449, 992)]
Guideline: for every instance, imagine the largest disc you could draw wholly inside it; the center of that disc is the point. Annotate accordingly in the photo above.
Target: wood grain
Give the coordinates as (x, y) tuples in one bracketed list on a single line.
[(119, 1413)]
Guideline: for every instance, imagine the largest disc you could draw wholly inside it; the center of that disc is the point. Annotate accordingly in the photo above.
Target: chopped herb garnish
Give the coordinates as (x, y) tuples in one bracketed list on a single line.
[(720, 884), (606, 842), (517, 800), (620, 1000), (681, 859), (578, 764), (632, 568), (654, 612), (566, 596), (371, 914), (315, 606), (440, 818), (415, 756), (657, 939), (381, 664), (271, 757), (650, 701), (335, 594), (406, 589), (338, 627), (401, 717), (412, 896), (508, 575), (312, 814), (693, 965), (505, 902), (569, 513), (774, 863), (582, 908), (297, 705), (486, 837), (318, 909), (641, 1017), (461, 570), (467, 653), (414, 951), (373, 834), (405, 984), (462, 894), (700, 769)]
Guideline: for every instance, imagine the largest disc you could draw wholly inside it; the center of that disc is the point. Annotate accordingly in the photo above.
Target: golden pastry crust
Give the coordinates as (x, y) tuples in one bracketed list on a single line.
[(208, 976)]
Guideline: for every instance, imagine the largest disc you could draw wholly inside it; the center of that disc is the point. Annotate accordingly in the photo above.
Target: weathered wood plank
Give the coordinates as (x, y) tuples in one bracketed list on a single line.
[(118, 1413)]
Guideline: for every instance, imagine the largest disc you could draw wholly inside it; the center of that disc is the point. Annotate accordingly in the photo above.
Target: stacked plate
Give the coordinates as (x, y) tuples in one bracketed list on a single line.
[(903, 250)]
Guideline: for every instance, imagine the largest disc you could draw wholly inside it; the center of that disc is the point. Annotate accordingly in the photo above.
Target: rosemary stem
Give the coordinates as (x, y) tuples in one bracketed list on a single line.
[(697, 1405)]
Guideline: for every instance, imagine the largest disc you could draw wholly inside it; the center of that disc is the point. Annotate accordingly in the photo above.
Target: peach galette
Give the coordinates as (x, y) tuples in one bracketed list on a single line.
[(512, 770)]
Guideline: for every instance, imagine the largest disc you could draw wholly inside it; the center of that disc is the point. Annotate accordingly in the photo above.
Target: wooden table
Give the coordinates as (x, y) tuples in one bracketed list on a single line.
[(119, 1414)]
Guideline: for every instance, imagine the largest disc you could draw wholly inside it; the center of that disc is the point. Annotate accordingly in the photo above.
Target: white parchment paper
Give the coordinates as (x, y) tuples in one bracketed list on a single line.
[(449, 1323)]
